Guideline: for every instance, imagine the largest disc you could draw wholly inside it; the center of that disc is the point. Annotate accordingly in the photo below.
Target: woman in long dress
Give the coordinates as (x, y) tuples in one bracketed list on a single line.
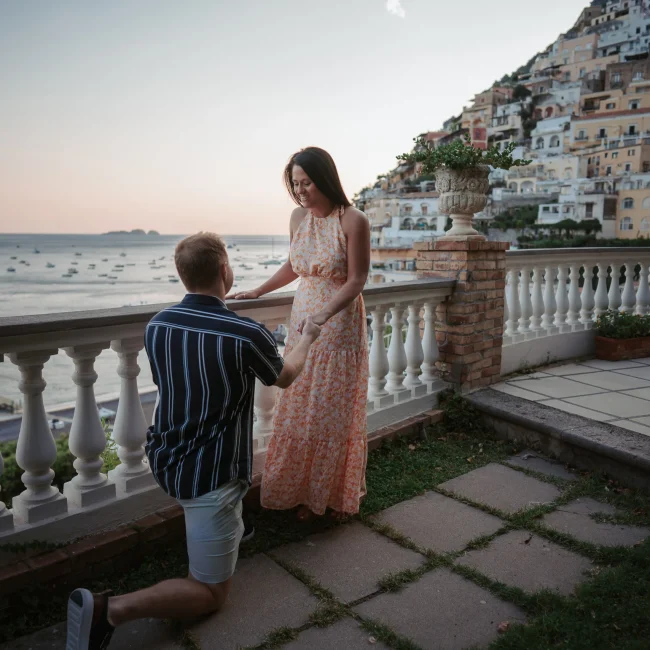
[(317, 455)]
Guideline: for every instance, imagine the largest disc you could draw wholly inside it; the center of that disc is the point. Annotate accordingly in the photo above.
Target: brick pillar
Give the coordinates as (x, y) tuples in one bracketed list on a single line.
[(469, 325)]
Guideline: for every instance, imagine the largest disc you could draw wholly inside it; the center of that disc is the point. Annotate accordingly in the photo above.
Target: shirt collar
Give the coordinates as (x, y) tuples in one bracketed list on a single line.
[(202, 299)]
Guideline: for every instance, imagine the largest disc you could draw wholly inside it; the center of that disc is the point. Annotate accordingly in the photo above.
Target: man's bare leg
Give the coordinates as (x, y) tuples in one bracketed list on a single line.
[(179, 598)]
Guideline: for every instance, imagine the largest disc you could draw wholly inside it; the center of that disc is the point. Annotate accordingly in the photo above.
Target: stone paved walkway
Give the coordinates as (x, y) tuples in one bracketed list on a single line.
[(342, 579), (616, 392)]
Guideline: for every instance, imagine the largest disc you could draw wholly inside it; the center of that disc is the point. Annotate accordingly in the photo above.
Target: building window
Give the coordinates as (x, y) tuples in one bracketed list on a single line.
[(608, 171), (638, 76), (628, 203), (615, 78), (631, 152), (645, 225), (602, 133), (589, 210), (555, 141), (408, 209), (631, 130), (646, 203), (626, 223), (539, 143), (583, 72), (614, 154), (425, 209), (567, 76), (611, 106), (582, 135), (628, 167), (634, 104)]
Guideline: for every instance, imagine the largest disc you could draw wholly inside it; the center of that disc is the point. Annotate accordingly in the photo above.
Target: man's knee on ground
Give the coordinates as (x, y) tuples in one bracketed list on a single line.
[(218, 591)]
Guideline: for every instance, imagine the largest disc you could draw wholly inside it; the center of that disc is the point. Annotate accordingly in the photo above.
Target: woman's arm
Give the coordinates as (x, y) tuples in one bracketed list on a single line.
[(357, 231), (283, 276)]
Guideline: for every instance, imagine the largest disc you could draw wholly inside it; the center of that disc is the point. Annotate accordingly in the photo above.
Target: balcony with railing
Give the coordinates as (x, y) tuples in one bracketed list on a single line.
[(402, 382)]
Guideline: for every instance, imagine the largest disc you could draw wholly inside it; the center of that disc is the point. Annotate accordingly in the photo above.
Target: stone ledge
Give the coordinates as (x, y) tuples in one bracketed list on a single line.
[(125, 546), (590, 445)]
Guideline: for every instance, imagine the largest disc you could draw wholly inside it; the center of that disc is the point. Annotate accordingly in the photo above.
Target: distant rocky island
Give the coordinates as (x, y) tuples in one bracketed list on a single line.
[(136, 231)]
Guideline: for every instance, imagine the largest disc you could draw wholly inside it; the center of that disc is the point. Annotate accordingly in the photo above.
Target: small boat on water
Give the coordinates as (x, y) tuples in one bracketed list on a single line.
[(161, 258), (74, 263), (73, 271), (157, 278), (112, 277), (49, 265), (11, 269), (22, 262), (173, 279), (14, 258), (122, 254), (78, 254), (103, 275), (66, 275), (130, 264), (27, 264), (105, 259), (37, 251), (119, 266), (270, 263)]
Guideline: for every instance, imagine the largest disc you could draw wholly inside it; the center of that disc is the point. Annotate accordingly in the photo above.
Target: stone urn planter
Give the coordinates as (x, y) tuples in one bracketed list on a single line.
[(463, 193)]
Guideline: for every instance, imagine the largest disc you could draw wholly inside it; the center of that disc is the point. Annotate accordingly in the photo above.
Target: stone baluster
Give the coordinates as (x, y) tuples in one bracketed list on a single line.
[(506, 313), (550, 306), (130, 428), (575, 303), (264, 405), (36, 451), (378, 359), (524, 301), (643, 292), (601, 298), (614, 294), (414, 352), (514, 310), (537, 301), (397, 361), (587, 297), (561, 300), (429, 344), (6, 518), (87, 436), (628, 299)]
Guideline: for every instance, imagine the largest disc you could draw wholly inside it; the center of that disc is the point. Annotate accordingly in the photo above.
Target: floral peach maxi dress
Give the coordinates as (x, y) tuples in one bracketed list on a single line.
[(317, 455)]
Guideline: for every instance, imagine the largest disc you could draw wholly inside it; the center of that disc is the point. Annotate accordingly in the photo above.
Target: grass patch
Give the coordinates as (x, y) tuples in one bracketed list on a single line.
[(384, 634), (610, 611)]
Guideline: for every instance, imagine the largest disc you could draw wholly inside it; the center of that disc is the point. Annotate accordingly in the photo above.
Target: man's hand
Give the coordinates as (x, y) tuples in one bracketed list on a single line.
[(310, 330), (317, 319)]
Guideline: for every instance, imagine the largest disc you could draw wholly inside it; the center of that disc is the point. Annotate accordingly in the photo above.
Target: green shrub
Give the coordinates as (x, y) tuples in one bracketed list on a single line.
[(11, 485), (616, 325)]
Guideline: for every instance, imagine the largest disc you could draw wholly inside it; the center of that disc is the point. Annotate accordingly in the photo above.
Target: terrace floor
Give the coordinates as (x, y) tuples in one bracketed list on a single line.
[(616, 392), (451, 568)]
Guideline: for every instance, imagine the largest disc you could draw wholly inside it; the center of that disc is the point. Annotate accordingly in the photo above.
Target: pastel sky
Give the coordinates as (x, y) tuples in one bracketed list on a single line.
[(179, 115)]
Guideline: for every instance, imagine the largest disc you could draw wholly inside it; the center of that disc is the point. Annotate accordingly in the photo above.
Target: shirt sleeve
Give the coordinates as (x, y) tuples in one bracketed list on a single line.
[(264, 358)]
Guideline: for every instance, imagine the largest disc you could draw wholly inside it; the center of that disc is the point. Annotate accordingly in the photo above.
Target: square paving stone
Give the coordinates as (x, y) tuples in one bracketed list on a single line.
[(616, 404), (503, 488), (611, 380), (264, 597), (529, 562), (442, 611), (556, 387), (349, 560), (344, 635), (575, 519), (530, 460), (145, 634), (437, 522)]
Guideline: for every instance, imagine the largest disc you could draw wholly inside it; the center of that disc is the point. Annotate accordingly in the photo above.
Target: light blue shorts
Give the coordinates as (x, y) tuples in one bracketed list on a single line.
[(214, 527)]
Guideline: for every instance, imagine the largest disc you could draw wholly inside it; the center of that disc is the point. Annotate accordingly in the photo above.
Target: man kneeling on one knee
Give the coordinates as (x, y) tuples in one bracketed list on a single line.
[(205, 360)]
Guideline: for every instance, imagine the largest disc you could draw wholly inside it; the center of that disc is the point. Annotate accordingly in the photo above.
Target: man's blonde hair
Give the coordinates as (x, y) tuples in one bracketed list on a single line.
[(199, 259)]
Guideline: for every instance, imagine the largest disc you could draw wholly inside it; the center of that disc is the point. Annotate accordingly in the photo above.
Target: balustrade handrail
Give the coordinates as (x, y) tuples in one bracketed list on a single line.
[(538, 256), (65, 324)]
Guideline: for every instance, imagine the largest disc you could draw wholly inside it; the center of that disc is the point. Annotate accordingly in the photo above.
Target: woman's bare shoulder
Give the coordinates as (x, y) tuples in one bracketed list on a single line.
[(353, 218), (298, 215)]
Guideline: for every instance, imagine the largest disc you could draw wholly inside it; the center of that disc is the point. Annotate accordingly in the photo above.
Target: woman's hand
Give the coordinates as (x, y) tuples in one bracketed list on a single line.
[(318, 319), (244, 295)]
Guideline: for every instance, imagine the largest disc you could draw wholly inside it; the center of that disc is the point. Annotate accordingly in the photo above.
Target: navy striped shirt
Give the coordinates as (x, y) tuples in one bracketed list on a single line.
[(204, 359)]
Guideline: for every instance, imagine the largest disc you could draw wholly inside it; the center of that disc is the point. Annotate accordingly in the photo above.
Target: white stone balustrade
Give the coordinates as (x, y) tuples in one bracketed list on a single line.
[(401, 377), (551, 318)]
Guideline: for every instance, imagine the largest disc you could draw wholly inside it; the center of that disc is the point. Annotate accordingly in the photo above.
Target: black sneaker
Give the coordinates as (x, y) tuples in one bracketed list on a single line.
[(88, 626), (249, 529)]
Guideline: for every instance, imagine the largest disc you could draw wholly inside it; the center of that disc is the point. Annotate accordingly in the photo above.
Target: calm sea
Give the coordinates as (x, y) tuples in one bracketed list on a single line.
[(60, 273)]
